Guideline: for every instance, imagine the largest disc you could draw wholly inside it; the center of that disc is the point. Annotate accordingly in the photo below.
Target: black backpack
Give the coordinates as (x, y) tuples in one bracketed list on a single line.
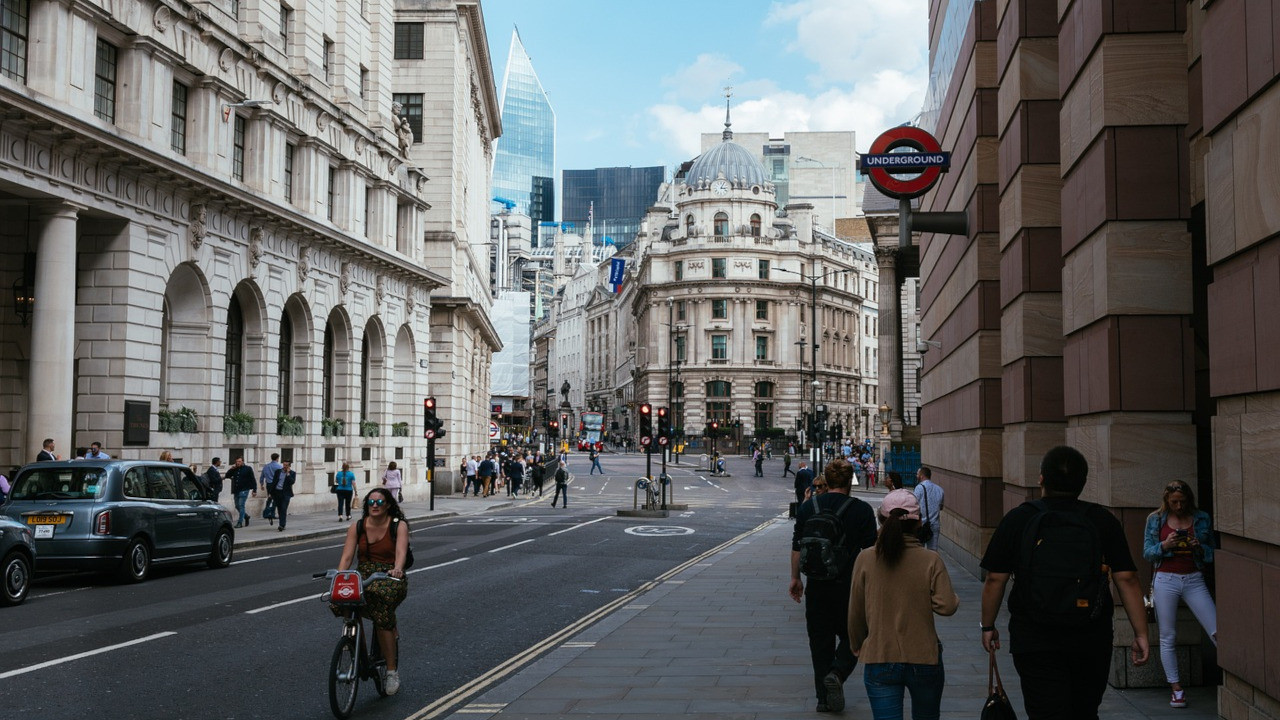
[(823, 552), (1061, 578), (395, 525)]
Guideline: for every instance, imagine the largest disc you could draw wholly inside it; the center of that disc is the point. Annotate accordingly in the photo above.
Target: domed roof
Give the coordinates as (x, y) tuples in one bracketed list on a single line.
[(730, 159)]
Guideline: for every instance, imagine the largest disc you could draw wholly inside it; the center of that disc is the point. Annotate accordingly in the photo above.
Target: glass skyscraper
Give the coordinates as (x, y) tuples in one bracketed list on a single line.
[(617, 196), (524, 164)]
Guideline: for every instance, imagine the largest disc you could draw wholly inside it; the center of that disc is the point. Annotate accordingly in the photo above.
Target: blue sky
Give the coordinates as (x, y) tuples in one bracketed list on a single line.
[(636, 83)]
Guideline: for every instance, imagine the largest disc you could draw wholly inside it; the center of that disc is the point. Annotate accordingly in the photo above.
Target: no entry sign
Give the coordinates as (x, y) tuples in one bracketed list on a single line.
[(882, 165)]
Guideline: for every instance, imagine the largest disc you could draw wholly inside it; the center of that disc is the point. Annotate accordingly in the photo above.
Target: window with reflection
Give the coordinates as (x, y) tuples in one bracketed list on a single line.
[(233, 366), (284, 382), (719, 347), (719, 267), (722, 224), (755, 225), (720, 309)]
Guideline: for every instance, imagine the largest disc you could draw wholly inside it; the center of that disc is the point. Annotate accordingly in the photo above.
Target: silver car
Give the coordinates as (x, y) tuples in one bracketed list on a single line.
[(119, 515), (17, 557)]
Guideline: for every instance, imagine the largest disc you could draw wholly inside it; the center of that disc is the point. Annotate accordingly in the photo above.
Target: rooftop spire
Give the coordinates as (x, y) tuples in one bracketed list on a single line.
[(728, 93)]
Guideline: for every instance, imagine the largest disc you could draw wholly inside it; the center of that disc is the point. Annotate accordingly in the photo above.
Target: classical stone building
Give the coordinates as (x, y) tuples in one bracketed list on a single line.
[(1117, 161), (724, 306), (219, 219)]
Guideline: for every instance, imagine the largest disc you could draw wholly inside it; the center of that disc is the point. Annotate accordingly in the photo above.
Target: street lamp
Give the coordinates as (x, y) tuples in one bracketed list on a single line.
[(833, 169)]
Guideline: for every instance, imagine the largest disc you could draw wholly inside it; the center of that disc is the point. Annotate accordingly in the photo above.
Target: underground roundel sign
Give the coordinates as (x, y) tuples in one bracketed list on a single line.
[(884, 166)]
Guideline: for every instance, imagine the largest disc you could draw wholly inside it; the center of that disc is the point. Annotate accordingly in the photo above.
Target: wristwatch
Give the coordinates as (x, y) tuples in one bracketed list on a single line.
[(987, 628)]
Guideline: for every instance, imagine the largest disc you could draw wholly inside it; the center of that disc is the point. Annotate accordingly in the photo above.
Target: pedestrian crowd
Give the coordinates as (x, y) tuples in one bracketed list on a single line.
[(872, 584)]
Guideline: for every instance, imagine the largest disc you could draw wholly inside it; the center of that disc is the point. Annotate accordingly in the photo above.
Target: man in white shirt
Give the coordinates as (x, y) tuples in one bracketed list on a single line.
[(929, 495)]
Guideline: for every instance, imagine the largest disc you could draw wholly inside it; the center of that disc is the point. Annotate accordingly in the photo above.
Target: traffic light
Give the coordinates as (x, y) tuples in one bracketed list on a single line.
[(715, 428), (664, 423), (430, 421), (553, 428), (646, 420)]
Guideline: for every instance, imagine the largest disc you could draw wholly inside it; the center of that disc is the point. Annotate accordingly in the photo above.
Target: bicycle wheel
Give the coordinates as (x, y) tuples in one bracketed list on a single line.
[(344, 678)]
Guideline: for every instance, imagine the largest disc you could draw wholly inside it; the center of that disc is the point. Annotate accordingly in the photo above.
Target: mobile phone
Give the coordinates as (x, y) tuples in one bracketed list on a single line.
[(1180, 531)]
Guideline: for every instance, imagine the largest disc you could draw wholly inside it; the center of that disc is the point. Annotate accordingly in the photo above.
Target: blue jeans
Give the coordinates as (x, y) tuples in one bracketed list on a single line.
[(242, 497), (886, 681), (595, 465)]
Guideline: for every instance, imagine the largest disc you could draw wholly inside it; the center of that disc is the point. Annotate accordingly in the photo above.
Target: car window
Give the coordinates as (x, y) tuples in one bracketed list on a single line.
[(135, 483), (160, 484), (83, 483), (188, 488)]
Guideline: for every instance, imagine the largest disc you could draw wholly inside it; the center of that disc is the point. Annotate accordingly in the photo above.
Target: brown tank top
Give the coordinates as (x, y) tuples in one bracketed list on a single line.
[(382, 551)]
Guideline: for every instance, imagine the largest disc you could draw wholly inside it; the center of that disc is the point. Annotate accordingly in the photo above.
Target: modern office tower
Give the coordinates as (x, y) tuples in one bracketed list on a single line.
[(524, 165), (616, 198)]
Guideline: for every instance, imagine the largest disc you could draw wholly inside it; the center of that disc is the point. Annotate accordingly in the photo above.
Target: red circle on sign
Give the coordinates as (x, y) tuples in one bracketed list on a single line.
[(916, 139), (431, 434), (662, 441), (644, 440)]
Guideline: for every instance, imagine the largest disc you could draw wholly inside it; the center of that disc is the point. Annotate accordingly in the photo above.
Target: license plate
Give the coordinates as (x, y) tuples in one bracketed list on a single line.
[(47, 520)]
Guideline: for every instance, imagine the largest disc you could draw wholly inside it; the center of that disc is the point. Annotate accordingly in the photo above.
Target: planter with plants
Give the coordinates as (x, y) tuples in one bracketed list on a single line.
[(369, 429), (181, 420), (238, 423), (289, 425), (332, 427), (400, 429)]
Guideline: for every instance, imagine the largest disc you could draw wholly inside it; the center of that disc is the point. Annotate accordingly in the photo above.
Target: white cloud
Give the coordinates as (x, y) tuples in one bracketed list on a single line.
[(870, 71)]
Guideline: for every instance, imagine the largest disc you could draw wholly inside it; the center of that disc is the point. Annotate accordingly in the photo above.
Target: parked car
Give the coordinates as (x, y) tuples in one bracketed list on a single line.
[(17, 559), (119, 515)]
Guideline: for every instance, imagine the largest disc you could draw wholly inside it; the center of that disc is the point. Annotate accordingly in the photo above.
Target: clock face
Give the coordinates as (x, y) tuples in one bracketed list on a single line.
[(720, 187)]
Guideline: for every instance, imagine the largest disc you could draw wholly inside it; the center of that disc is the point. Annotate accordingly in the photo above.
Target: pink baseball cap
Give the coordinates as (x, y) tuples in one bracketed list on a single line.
[(901, 499)]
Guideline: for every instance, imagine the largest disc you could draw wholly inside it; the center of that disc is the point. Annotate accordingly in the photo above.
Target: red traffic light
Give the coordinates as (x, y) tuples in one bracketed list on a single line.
[(662, 412), (429, 403), (715, 425), (646, 409)]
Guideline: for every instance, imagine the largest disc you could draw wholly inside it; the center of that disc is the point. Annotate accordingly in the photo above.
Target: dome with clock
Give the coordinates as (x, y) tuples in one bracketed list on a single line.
[(730, 161)]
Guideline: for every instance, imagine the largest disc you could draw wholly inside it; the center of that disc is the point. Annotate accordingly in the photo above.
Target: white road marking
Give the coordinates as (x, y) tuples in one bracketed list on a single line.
[(508, 547), (312, 596), (59, 592), (438, 565), (575, 527), (88, 653)]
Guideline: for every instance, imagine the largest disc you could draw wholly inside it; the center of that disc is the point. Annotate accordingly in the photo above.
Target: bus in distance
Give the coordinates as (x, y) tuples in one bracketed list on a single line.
[(590, 430)]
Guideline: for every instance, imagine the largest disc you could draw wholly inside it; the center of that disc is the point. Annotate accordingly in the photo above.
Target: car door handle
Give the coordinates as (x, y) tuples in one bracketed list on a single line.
[(186, 514)]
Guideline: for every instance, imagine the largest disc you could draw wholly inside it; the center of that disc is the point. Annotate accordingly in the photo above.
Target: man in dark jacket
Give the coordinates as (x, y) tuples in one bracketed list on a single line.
[(804, 478), (243, 484), (281, 489), (826, 601), (562, 485), (213, 477)]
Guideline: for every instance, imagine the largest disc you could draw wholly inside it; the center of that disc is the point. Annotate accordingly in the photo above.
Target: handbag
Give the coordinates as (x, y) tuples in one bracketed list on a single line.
[(1149, 600), (997, 706)]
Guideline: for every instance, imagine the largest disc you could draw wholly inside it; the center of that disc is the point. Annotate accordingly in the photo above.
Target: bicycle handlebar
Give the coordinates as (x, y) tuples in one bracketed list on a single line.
[(328, 574)]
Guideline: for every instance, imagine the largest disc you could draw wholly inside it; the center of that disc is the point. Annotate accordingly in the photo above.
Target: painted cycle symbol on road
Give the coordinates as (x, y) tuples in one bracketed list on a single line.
[(658, 530)]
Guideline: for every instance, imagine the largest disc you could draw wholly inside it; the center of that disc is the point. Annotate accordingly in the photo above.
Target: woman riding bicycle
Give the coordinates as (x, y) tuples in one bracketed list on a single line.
[(381, 548)]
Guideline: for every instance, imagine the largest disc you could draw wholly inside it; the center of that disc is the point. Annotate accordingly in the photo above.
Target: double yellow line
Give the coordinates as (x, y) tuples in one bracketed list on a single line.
[(448, 703)]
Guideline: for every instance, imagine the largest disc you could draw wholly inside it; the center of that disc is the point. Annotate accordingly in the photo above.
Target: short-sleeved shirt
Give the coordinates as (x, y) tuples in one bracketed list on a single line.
[(859, 524), (1003, 556)]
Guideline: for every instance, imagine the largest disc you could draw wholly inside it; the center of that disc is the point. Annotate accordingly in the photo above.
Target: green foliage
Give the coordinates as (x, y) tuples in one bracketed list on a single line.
[(286, 425), (238, 423), (369, 428), (175, 421), (400, 429), (332, 427)]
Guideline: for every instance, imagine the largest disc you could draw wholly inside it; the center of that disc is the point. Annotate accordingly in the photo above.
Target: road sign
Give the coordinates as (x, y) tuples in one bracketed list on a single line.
[(493, 430), (658, 530), (662, 440), (881, 165), (644, 440), (431, 434)]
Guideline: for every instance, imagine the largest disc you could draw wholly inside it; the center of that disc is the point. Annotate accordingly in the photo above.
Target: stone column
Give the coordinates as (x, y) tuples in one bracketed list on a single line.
[(53, 328), (889, 365)]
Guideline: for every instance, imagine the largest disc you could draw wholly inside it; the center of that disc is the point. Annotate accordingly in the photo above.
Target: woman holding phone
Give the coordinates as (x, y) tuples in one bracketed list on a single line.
[(1179, 544)]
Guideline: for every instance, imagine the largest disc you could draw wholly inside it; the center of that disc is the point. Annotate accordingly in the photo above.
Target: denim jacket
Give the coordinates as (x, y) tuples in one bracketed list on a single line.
[(1203, 527)]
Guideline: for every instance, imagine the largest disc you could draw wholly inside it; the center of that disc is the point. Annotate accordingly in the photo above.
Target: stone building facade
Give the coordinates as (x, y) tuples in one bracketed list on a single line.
[(217, 233), (1117, 163)]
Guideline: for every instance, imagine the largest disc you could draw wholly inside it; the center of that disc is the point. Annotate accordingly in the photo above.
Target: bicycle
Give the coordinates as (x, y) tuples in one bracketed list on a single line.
[(352, 662)]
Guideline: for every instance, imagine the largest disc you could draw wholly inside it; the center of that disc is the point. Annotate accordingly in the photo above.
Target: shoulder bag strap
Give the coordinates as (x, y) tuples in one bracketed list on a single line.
[(993, 675)]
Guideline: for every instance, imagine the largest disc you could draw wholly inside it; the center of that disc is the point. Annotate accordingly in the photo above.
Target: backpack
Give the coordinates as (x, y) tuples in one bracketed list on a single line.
[(395, 525), (1061, 576), (823, 552)]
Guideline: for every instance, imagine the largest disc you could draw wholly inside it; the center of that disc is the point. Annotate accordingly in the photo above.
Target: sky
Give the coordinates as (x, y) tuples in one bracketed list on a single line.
[(637, 83)]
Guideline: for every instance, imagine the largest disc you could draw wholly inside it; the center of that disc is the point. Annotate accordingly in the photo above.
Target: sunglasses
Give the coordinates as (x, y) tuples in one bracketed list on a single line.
[(376, 503)]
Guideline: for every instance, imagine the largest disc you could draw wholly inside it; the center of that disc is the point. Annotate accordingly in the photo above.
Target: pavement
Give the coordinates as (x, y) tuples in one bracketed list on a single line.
[(716, 637)]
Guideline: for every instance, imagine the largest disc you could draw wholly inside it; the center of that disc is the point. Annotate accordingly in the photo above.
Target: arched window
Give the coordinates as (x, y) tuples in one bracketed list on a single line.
[(326, 390), (755, 225), (165, 328), (233, 370), (284, 384), (688, 225), (722, 224), (364, 376)]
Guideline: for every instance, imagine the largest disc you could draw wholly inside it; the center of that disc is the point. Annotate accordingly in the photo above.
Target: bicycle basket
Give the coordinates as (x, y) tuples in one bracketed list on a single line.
[(347, 589)]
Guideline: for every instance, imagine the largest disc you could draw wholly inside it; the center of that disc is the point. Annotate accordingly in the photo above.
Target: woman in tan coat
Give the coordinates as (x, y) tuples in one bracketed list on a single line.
[(896, 591)]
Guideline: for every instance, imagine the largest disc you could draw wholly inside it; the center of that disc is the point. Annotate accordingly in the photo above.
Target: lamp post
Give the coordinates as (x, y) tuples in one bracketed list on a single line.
[(833, 169), (671, 365), (886, 414)]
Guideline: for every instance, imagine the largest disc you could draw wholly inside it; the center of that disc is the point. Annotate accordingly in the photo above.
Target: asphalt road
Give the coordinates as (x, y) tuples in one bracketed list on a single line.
[(488, 594)]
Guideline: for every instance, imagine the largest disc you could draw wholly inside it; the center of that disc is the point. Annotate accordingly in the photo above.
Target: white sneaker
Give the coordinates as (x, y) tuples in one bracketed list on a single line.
[(392, 683)]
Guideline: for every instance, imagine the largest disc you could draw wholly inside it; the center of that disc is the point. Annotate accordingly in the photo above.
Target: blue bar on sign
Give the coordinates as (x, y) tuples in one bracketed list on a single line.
[(905, 161)]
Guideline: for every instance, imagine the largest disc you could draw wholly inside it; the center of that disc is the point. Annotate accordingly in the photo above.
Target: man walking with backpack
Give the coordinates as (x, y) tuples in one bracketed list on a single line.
[(831, 528), (1060, 630)]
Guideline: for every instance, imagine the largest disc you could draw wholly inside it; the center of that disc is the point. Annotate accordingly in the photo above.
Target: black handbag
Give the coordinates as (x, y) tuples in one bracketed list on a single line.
[(997, 706)]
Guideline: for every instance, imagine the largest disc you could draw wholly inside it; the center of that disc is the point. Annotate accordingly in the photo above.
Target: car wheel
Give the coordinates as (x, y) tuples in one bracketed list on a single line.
[(223, 549), (15, 574), (136, 563)]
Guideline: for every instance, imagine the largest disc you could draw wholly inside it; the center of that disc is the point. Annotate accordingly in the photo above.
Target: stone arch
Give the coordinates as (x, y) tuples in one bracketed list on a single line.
[(185, 341), (404, 378), (373, 372), (336, 381), (294, 357)]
